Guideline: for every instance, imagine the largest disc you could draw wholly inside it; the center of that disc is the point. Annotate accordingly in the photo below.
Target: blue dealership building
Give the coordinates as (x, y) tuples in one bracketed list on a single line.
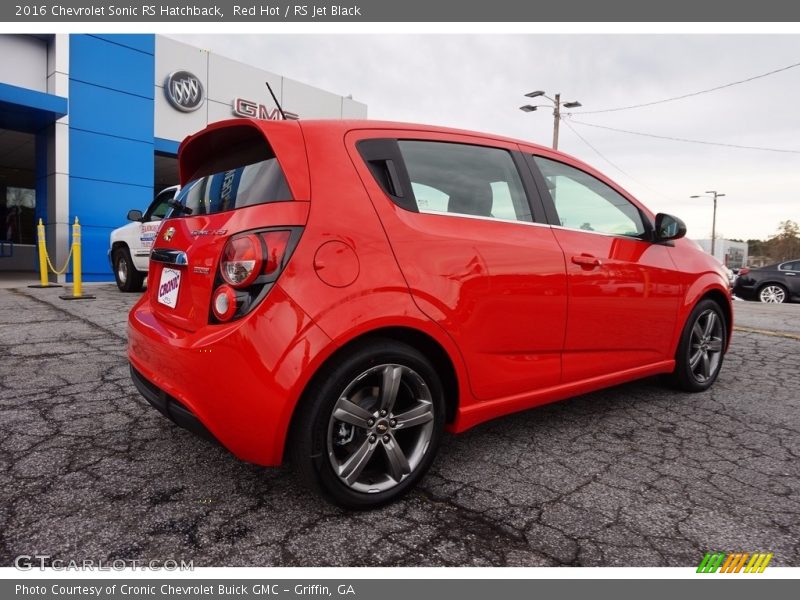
[(90, 126)]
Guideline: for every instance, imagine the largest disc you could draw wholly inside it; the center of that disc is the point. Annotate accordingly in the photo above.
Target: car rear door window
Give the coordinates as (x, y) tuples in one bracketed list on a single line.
[(791, 266), (463, 179), (584, 202)]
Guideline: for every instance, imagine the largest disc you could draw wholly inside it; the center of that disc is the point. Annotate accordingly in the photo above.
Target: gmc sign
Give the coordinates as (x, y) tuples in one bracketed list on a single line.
[(253, 110)]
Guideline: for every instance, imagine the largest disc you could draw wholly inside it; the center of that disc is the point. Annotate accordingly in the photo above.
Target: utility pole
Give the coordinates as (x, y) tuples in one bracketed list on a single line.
[(556, 120), (712, 194), (557, 104)]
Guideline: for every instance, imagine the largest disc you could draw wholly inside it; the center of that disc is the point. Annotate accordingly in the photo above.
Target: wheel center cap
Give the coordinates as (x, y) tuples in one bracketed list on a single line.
[(382, 427)]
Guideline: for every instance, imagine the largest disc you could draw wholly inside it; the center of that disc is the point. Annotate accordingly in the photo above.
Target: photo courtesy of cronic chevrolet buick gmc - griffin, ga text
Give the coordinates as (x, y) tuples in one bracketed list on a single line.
[(338, 293)]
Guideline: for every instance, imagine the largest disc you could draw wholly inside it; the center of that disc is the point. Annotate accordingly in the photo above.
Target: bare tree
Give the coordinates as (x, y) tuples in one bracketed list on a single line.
[(785, 244)]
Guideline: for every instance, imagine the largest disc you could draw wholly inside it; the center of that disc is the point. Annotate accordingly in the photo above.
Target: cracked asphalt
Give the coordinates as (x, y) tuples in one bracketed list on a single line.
[(637, 475)]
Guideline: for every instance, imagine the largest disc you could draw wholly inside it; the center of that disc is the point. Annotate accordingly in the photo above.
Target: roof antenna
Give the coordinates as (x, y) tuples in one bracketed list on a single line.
[(278, 104)]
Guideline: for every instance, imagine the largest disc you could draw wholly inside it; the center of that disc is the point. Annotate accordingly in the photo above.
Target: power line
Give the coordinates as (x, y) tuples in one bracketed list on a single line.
[(608, 160), (596, 151), (713, 89), (689, 141)]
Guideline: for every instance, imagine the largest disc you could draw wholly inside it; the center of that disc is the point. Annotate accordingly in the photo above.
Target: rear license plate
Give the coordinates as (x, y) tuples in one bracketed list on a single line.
[(168, 288)]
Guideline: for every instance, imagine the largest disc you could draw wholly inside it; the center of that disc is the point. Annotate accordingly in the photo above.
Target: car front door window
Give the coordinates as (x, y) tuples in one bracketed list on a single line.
[(586, 203)]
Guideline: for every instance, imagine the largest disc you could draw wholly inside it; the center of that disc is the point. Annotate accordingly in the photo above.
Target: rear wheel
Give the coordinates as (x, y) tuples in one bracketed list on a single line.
[(702, 348), (370, 426), (125, 274), (772, 293)]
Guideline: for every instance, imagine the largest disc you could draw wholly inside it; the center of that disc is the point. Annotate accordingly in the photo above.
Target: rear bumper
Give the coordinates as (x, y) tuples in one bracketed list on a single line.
[(237, 383), (744, 291), (170, 407)]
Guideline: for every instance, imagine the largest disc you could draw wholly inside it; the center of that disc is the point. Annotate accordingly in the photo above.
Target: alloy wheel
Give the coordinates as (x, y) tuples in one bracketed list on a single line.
[(380, 428), (705, 347), (772, 294)]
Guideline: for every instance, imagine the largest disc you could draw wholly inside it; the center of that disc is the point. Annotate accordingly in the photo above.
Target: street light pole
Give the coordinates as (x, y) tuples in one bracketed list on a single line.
[(712, 194), (557, 104)]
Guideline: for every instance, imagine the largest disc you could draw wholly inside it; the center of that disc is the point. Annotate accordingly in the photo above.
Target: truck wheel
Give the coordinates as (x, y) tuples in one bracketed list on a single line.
[(127, 277)]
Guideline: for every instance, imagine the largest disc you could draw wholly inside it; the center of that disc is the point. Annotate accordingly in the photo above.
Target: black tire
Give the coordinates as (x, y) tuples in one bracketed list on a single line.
[(125, 274), (690, 375), (772, 293), (317, 437)]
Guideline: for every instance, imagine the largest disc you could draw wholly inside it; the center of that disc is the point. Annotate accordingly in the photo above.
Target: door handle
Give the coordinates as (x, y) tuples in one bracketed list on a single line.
[(586, 260)]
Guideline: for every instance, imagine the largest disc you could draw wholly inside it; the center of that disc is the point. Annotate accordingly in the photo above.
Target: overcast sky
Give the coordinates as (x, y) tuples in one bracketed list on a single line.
[(478, 81)]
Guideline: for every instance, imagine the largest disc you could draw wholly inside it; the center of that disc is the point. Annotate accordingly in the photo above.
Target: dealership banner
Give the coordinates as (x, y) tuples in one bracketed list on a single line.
[(399, 11), (386, 589)]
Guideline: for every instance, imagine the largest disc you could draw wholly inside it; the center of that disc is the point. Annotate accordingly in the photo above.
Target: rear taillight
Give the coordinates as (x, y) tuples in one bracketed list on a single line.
[(250, 264), (223, 303), (241, 260)]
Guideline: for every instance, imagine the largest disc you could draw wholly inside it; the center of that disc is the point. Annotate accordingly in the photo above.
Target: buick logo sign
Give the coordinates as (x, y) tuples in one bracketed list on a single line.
[(184, 91)]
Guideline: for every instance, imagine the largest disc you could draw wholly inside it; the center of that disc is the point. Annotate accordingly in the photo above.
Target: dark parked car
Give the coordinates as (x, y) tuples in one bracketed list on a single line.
[(773, 283)]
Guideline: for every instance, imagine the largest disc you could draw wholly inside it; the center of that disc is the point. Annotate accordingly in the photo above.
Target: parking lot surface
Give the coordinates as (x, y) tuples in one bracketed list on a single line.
[(637, 475)]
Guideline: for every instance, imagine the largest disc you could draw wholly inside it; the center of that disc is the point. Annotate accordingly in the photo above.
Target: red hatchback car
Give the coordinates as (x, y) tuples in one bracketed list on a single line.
[(343, 291)]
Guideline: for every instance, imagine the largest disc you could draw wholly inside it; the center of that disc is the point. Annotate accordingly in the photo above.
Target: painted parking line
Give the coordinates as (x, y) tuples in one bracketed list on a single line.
[(781, 334)]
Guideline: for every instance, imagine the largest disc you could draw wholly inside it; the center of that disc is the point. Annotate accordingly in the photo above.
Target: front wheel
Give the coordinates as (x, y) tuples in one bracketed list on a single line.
[(701, 348), (772, 294), (125, 274), (370, 426)]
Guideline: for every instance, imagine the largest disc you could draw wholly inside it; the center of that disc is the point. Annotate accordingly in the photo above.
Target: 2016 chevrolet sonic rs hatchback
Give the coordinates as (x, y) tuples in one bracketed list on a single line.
[(341, 292)]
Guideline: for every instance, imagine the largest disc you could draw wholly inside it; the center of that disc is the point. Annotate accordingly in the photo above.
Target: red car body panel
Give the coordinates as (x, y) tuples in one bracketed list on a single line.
[(234, 378), (501, 297), (519, 320)]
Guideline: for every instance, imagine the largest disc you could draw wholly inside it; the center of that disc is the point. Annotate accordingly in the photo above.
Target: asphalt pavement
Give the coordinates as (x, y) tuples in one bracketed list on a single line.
[(637, 475)]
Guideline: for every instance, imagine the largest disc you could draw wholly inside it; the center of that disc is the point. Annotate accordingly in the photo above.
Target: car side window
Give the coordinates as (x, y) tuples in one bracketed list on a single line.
[(584, 202), (464, 179), (792, 266), (159, 208)]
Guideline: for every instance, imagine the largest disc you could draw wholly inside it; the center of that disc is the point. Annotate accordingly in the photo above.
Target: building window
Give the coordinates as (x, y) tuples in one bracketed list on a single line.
[(17, 216)]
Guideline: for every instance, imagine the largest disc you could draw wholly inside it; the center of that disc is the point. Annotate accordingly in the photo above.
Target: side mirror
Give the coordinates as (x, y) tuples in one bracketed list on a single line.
[(668, 228), (134, 215)]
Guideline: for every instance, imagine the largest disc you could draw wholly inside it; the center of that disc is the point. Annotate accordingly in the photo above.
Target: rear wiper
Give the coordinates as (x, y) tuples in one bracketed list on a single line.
[(180, 208)]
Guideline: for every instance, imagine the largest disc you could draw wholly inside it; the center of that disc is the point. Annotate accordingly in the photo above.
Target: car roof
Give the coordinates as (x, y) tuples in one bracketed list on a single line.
[(774, 266), (332, 126), (345, 125)]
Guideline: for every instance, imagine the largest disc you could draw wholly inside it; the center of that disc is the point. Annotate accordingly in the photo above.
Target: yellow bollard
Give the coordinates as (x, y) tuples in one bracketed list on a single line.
[(42, 244), (42, 255), (76, 265), (76, 258)]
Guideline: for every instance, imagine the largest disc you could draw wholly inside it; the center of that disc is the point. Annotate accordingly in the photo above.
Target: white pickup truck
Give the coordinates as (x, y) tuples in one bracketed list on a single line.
[(129, 252)]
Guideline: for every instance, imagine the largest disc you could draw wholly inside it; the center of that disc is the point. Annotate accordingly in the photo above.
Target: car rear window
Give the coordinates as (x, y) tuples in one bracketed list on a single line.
[(256, 183)]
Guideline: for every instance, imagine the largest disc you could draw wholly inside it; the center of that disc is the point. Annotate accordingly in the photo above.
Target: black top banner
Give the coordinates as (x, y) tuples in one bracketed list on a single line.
[(348, 11)]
